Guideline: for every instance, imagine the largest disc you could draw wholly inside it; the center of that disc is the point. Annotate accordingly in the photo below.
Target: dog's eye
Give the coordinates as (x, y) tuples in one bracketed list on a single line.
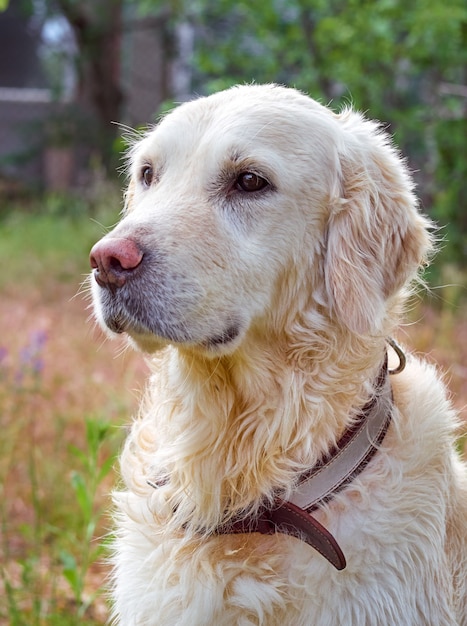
[(147, 174), (248, 181)]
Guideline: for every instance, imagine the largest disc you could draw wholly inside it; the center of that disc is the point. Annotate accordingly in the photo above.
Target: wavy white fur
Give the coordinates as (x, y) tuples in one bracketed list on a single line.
[(304, 279)]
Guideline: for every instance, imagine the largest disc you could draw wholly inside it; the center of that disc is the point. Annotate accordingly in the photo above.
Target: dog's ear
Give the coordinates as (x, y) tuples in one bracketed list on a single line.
[(376, 239)]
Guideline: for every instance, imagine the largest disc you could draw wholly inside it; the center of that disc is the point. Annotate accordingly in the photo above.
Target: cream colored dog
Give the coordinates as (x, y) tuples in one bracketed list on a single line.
[(263, 261)]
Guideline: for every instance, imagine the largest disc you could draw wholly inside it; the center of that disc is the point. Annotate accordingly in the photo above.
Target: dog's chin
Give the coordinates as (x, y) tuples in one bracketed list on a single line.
[(146, 340), (140, 338), (147, 343), (218, 345)]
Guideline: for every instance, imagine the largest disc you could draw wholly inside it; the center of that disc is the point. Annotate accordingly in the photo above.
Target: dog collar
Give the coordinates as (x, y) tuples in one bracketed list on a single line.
[(341, 465)]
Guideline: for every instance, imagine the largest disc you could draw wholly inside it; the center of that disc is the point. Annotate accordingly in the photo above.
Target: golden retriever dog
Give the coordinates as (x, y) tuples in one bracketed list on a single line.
[(280, 472)]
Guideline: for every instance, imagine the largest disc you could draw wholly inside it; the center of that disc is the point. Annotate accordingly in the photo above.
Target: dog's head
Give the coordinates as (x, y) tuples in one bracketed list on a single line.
[(243, 205)]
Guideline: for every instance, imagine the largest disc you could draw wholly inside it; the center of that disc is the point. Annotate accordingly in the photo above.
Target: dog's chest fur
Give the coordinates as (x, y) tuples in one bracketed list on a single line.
[(395, 575)]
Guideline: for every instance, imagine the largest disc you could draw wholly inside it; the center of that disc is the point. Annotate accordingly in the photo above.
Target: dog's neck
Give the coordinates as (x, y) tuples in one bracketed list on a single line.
[(237, 429)]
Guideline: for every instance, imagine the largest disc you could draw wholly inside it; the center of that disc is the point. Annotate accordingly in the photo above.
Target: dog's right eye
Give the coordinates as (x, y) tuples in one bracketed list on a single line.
[(147, 174)]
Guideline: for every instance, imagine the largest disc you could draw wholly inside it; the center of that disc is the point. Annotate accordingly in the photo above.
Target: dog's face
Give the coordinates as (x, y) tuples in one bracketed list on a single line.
[(231, 204)]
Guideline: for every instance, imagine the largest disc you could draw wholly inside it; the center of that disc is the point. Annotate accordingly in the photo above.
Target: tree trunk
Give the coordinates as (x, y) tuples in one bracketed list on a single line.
[(98, 28)]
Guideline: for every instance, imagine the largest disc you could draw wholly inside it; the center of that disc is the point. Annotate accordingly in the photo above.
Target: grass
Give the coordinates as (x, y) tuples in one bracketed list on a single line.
[(64, 397), (52, 239)]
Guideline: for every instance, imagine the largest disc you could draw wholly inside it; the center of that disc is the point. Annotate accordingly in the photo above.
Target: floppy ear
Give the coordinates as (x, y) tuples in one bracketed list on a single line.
[(376, 239)]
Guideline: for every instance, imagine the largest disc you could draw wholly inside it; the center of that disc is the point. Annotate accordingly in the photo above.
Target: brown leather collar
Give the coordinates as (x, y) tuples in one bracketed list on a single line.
[(341, 465), (345, 461)]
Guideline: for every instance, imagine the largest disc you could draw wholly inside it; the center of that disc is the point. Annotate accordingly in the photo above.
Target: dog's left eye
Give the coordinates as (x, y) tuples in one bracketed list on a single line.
[(248, 181), (147, 174)]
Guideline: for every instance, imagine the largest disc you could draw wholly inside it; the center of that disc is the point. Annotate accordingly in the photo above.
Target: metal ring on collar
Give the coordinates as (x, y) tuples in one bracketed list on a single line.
[(400, 354)]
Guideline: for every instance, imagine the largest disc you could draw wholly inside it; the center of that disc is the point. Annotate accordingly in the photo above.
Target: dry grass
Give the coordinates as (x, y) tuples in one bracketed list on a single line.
[(56, 372), (440, 335)]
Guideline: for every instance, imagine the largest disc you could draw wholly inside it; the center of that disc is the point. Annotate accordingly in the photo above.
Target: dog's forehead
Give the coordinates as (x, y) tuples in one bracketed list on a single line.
[(213, 122), (243, 115)]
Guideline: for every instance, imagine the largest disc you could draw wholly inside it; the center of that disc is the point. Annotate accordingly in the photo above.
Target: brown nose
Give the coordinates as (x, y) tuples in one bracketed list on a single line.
[(113, 260)]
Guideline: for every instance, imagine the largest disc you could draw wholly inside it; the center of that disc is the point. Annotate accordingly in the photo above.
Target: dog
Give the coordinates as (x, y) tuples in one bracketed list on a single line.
[(266, 251)]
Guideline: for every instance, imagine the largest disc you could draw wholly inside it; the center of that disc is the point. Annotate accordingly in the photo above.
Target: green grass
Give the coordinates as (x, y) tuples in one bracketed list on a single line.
[(51, 241)]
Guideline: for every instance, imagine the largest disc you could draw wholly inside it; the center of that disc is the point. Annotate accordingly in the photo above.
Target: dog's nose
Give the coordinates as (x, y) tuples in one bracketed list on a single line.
[(113, 260)]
